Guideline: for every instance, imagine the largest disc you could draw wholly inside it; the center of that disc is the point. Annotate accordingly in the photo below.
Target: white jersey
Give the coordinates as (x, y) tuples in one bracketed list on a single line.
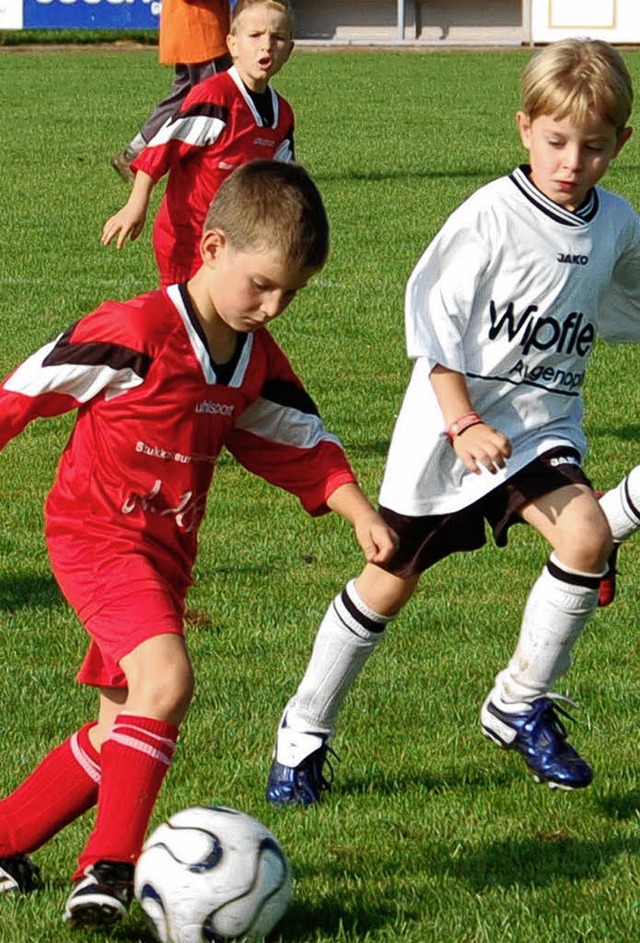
[(511, 293)]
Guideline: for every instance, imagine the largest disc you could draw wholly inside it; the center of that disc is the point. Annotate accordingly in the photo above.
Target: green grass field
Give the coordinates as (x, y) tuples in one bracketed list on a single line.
[(431, 835)]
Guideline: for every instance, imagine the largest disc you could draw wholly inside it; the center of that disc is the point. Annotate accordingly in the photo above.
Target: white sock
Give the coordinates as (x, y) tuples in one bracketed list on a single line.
[(347, 636), (558, 607), (621, 506)]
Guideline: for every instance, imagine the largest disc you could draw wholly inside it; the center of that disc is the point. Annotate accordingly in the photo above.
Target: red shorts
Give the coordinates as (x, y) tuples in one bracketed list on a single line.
[(134, 604), (425, 540)]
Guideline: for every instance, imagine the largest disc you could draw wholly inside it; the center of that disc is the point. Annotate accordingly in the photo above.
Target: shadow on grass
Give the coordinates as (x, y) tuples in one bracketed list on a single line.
[(621, 807), (387, 784), (395, 173), (332, 918), (374, 176), (534, 862), (29, 590), (627, 433)]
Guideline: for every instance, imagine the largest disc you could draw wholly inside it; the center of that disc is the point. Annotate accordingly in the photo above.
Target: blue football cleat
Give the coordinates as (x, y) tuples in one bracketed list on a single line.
[(539, 735), (302, 784)]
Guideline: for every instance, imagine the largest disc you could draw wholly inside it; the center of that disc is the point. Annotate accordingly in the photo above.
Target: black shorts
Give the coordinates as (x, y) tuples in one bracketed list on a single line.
[(425, 540)]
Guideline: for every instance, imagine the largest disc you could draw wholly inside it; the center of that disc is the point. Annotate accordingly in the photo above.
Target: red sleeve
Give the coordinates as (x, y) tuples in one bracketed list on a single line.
[(98, 353), (282, 438), (200, 120)]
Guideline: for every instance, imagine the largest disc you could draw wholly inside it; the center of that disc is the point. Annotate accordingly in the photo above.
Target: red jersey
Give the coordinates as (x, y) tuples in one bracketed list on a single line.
[(154, 412), (216, 129)]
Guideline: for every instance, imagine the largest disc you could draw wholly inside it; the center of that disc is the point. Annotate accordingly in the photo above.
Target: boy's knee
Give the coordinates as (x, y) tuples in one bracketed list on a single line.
[(167, 694), (601, 544), (589, 550)]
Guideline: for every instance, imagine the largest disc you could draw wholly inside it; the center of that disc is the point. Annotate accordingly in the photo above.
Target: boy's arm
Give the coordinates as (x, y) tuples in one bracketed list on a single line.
[(84, 362), (377, 539), (475, 443), (130, 220)]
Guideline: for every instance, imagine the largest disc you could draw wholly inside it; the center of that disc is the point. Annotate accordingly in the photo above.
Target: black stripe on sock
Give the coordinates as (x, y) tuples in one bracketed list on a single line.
[(574, 579), (370, 624)]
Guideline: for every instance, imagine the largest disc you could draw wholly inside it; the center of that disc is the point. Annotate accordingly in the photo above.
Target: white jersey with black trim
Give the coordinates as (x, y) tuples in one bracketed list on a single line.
[(511, 293)]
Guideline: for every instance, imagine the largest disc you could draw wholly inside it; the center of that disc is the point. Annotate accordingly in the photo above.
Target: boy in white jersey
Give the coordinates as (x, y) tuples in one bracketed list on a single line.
[(502, 312), (161, 383)]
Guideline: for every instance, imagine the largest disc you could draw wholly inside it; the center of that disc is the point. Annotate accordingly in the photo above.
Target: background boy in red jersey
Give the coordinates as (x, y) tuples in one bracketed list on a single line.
[(223, 122), (192, 38), (161, 384)]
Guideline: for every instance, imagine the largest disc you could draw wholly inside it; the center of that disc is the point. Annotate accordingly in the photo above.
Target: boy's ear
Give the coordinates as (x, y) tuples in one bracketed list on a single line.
[(523, 122), (231, 45), (213, 240), (623, 137)]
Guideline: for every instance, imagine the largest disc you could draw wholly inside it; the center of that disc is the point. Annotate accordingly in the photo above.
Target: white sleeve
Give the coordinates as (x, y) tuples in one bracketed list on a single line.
[(619, 319), (442, 289)]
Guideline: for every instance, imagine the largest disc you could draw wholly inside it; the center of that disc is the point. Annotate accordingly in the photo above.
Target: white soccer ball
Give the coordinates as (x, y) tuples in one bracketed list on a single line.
[(212, 874)]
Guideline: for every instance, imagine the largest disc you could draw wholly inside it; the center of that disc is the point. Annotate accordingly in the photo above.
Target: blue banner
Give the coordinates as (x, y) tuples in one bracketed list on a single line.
[(91, 14)]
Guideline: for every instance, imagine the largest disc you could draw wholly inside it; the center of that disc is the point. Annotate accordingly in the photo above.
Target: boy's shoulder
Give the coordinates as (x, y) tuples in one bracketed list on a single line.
[(141, 323), (485, 201), (616, 203), (215, 86)]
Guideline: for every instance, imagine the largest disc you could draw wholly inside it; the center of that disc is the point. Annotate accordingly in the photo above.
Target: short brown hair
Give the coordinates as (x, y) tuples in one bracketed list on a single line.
[(243, 5), (271, 204), (578, 77)]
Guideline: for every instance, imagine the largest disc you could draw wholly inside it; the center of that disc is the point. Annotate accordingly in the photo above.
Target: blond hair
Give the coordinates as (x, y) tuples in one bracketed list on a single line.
[(273, 205), (282, 5), (578, 77)]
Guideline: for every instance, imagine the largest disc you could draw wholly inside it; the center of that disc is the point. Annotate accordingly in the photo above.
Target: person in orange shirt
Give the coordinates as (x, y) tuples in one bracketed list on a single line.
[(193, 38)]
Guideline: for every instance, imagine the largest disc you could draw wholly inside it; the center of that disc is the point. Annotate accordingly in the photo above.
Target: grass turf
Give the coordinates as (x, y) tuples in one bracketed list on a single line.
[(431, 833)]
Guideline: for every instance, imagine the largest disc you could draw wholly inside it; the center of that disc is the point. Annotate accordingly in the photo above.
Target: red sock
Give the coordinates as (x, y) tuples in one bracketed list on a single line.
[(134, 760), (60, 789)]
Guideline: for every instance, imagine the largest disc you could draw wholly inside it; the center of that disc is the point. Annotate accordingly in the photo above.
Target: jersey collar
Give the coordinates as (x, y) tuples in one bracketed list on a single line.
[(257, 117), (584, 214)]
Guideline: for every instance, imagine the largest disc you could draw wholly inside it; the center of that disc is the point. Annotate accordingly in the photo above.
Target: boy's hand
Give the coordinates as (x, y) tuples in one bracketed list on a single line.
[(481, 446), (377, 539), (129, 221)]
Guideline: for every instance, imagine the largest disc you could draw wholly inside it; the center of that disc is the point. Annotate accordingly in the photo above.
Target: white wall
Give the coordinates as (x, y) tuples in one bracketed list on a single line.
[(429, 21), (616, 21)]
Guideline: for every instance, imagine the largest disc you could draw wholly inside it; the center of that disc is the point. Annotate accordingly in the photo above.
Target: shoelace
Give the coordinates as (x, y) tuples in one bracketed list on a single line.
[(316, 768), (555, 708), (327, 783)]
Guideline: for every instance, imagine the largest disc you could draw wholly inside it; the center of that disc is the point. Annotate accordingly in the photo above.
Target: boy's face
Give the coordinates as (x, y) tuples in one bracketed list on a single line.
[(567, 159), (260, 45), (248, 289)]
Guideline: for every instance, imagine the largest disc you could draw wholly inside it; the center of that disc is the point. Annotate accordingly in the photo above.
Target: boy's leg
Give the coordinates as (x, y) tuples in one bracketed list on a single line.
[(518, 713), (352, 628), (62, 787), (621, 506), (135, 758)]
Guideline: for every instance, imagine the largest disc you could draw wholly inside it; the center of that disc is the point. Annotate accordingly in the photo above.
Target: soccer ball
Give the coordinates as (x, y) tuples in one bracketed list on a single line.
[(212, 874)]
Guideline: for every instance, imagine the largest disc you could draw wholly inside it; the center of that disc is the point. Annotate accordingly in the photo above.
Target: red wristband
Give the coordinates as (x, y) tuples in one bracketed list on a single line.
[(464, 422)]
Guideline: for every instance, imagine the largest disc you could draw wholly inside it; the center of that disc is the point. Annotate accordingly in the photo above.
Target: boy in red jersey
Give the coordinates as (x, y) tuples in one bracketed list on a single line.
[(224, 121), (161, 384)]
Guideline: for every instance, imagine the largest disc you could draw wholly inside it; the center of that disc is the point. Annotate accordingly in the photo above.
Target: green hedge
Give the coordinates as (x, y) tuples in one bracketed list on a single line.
[(21, 37)]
